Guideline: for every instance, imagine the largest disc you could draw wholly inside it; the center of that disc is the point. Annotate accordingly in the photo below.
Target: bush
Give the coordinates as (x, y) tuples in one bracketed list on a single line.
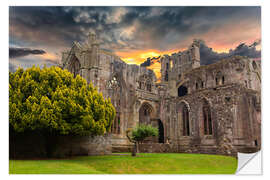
[(143, 131)]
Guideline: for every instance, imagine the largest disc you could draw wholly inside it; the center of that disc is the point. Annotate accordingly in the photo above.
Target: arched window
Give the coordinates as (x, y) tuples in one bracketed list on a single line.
[(145, 113), (207, 119), (185, 119), (74, 66), (166, 76), (182, 91)]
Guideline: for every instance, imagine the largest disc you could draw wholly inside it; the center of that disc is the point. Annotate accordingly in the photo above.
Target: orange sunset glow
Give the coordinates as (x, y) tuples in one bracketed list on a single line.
[(49, 56), (138, 57)]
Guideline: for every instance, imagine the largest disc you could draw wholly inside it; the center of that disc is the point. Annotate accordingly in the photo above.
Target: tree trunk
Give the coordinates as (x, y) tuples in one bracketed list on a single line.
[(134, 150), (50, 145)]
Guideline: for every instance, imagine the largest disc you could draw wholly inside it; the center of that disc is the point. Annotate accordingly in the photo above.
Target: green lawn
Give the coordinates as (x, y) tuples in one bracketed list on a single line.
[(145, 163)]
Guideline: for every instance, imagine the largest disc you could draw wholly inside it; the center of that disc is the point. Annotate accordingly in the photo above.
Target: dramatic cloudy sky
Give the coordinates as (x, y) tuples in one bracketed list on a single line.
[(37, 35)]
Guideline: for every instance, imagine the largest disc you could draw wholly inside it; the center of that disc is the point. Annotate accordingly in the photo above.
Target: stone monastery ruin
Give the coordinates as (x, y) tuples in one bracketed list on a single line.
[(200, 109)]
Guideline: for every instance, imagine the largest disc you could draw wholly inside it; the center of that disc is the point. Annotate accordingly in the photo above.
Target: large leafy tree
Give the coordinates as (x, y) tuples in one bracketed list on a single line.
[(51, 101)]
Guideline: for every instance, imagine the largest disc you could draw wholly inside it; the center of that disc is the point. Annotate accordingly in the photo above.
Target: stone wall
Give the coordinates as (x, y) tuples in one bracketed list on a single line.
[(31, 145), (175, 148), (158, 148), (233, 113)]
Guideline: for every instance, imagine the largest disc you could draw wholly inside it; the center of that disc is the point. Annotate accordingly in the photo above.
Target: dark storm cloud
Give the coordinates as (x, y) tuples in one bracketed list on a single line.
[(12, 67), (120, 27), (42, 26), (208, 56), (20, 52)]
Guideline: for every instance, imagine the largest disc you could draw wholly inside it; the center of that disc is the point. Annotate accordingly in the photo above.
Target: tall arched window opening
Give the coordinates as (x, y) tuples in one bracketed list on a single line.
[(74, 66), (166, 76), (207, 119), (185, 118)]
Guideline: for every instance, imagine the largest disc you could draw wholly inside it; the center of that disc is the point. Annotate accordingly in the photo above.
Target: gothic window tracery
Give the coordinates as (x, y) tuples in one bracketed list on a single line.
[(145, 83), (113, 83), (74, 66), (145, 112)]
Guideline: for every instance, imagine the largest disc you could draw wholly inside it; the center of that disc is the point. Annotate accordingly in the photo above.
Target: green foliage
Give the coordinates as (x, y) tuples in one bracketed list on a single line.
[(51, 100), (143, 131)]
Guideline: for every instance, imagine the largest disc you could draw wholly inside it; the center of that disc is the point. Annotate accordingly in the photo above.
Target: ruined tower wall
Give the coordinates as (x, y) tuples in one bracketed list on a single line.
[(178, 63), (235, 70)]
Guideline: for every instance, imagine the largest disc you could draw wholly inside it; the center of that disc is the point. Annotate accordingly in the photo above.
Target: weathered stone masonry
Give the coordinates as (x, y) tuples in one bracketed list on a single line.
[(203, 109)]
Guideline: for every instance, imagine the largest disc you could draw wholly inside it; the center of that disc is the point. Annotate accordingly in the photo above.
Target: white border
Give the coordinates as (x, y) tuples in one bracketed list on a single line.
[(4, 73)]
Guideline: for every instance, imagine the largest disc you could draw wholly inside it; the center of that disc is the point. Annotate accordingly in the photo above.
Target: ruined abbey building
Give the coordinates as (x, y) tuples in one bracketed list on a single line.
[(200, 109)]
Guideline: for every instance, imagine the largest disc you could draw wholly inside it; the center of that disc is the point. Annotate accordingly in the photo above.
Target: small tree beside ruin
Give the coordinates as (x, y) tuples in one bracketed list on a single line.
[(139, 134)]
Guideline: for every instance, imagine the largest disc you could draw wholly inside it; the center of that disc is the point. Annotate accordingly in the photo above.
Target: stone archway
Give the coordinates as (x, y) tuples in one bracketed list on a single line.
[(145, 113)]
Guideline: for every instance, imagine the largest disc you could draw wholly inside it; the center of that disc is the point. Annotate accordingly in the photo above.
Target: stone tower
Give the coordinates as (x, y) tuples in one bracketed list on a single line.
[(172, 67), (195, 53), (86, 59)]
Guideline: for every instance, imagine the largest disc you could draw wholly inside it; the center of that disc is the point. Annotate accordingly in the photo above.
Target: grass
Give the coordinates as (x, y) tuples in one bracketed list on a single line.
[(144, 163)]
